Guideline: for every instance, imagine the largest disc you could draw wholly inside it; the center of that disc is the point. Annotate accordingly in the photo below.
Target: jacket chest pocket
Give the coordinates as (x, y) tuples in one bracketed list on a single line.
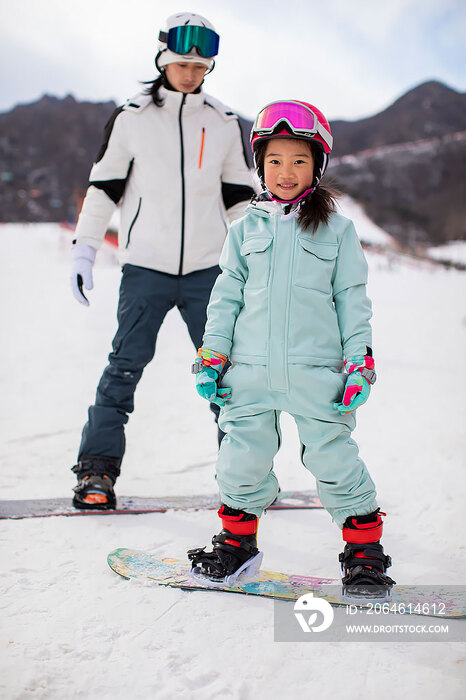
[(257, 252), (315, 264)]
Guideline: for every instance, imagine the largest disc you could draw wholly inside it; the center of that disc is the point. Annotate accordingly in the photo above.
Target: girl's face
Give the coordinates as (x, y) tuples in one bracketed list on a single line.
[(185, 77), (288, 167)]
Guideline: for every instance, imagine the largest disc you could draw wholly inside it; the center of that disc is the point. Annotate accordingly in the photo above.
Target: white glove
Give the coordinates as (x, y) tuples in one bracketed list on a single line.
[(81, 272)]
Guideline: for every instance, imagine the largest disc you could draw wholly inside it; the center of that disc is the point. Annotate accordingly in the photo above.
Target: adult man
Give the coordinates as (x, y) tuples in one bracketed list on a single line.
[(173, 157)]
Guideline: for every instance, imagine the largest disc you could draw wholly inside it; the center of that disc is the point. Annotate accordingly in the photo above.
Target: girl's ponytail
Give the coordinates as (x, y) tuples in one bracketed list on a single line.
[(317, 209)]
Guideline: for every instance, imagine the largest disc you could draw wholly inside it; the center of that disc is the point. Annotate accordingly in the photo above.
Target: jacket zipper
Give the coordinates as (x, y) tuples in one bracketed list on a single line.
[(133, 222), (202, 148), (180, 269)]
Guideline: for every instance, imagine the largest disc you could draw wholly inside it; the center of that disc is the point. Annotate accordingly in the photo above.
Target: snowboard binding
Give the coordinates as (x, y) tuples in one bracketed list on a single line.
[(96, 478), (94, 492), (234, 556), (363, 562)]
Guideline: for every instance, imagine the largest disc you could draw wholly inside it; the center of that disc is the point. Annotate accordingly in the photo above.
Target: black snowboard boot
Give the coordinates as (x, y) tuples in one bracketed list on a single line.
[(234, 552), (96, 478), (363, 562)]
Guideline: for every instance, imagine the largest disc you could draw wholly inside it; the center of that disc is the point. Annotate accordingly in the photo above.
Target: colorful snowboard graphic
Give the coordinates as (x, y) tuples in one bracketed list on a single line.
[(131, 563)]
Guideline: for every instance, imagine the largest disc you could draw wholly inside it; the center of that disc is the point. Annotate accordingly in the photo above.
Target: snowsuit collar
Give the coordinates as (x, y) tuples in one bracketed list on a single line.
[(269, 208), (172, 100)]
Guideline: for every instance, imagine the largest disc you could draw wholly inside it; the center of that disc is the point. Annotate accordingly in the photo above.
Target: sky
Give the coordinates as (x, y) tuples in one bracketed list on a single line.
[(350, 59)]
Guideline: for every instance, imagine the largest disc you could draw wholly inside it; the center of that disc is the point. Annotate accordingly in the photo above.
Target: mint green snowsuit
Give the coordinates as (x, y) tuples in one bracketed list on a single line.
[(287, 308)]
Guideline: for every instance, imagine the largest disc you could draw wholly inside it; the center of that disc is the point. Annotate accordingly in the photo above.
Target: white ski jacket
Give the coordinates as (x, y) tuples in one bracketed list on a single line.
[(176, 170)]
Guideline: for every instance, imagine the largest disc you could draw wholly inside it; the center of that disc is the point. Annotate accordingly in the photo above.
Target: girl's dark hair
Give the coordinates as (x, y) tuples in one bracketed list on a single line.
[(153, 89), (320, 205)]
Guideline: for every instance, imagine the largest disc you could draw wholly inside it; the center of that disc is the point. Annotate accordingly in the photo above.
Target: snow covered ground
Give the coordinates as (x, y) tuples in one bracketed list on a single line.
[(71, 628)]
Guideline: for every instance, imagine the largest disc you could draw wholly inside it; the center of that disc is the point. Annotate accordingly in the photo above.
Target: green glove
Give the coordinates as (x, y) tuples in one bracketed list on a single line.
[(361, 375)]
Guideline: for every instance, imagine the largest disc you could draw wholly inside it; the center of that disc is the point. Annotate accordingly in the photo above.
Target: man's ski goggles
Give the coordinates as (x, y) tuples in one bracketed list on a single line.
[(300, 119), (183, 39)]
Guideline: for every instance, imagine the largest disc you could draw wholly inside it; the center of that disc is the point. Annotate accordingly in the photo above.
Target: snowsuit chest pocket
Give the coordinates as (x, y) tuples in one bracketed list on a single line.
[(257, 252), (315, 264)]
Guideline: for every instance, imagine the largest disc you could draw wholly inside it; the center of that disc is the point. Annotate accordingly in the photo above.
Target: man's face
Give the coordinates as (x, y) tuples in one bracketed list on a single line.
[(185, 77)]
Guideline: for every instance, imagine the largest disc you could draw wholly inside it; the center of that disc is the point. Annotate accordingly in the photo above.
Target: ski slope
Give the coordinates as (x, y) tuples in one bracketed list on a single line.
[(73, 629)]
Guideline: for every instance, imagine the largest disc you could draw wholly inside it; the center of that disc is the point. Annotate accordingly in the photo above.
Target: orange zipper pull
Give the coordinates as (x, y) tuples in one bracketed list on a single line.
[(202, 147)]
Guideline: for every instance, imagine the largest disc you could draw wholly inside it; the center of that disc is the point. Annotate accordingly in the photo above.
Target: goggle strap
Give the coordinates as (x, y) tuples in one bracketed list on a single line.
[(326, 135)]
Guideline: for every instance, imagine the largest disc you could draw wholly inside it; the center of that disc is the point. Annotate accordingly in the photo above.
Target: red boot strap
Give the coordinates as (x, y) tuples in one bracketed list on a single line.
[(235, 543), (363, 533), (236, 525), (362, 537), (248, 527), (361, 555)]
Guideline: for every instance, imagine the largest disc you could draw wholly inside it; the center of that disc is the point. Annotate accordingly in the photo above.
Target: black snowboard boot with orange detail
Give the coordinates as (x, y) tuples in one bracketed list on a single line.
[(96, 478)]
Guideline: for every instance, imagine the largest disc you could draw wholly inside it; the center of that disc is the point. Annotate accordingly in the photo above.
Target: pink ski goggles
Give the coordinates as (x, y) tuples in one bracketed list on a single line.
[(300, 119)]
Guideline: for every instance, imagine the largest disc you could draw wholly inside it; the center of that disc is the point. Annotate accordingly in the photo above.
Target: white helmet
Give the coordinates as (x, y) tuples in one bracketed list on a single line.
[(187, 37)]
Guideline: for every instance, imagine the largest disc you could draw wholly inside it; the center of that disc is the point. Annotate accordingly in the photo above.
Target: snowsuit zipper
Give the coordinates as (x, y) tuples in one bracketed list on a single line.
[(278, 306), (180, 269)]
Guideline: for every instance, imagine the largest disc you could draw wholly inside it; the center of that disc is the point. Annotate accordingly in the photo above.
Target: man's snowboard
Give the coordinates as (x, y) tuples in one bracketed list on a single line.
[(131, 563), (40, 508)]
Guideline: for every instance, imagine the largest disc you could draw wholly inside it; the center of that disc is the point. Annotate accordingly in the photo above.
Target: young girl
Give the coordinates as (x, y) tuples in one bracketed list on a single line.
[(290, 311)]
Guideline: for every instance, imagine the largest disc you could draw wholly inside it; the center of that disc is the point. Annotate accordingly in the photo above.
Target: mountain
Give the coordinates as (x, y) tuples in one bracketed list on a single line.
[(46, 152), (429, 110), (415, 191), (405, 165)]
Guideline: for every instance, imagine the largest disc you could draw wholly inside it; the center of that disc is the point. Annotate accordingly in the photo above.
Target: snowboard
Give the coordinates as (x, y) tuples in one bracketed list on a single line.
[(40, 508), (135, 564)]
